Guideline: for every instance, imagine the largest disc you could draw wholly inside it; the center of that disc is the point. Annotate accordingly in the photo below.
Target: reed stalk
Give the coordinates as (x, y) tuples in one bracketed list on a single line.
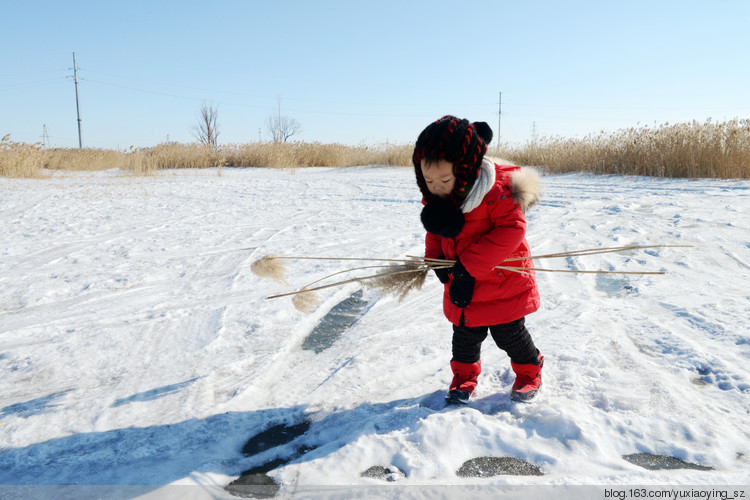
[(404, 275), (345, 282)]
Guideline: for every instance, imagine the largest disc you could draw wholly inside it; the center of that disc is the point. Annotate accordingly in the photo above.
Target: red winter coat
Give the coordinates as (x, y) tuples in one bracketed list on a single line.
[(493, 232)]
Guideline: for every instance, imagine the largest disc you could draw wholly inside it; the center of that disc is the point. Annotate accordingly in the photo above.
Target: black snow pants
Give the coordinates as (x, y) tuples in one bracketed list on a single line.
[(513, 338)]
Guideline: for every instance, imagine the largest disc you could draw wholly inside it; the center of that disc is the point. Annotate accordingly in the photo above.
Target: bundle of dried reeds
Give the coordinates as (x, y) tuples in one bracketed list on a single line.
[(396, 276), (400, 276)]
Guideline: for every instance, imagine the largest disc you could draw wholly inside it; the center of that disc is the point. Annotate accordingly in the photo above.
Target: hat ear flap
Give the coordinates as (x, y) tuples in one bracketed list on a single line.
[(484, 131)]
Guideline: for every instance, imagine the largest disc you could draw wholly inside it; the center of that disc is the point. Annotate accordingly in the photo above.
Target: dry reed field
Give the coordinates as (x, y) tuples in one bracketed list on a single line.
[(686, 150), (691, 150), (31, 160), (18, 159)]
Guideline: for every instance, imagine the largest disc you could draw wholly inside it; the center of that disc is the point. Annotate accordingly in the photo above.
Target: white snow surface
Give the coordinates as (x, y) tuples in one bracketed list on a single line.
[(138, 348)]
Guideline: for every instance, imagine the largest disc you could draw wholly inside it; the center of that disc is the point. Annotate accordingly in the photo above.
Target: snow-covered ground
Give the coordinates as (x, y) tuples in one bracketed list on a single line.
[(137, 347)]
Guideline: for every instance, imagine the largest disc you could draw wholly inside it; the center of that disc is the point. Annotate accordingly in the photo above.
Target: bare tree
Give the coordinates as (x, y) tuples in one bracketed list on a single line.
[(207, 130), (282, 127)]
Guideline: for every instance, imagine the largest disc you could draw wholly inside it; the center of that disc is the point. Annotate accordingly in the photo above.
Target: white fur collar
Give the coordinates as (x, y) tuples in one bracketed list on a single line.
[(483, 184)]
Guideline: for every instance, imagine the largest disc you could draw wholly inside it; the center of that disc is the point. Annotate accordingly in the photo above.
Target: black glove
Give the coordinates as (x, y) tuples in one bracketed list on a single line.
[(461, 290), (444, 274)]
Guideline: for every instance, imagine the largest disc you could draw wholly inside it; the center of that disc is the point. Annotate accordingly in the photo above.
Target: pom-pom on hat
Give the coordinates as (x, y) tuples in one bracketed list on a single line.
[(455, 140)]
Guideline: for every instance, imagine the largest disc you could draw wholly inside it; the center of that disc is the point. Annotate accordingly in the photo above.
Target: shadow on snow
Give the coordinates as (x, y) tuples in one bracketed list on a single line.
[(163, 454)]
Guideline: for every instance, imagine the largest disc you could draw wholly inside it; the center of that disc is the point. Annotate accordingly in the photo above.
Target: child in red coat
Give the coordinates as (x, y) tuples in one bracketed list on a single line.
[(474, 214)]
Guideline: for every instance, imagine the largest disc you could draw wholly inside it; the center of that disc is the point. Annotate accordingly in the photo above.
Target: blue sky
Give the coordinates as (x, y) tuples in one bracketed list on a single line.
[(367, 72)]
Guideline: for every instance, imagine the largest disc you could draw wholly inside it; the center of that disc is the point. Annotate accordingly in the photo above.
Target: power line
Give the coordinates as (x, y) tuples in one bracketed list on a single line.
[(26, 73), (27, 85), (143, 90)]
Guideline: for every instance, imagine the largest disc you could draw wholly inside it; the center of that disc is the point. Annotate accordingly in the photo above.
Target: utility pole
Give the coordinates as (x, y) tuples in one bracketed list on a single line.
[(78, 108), (499, 114), (45, 137)]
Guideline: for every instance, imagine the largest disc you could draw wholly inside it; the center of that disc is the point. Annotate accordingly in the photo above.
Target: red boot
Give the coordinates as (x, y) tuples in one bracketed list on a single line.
[(464, 381), (528, 380)]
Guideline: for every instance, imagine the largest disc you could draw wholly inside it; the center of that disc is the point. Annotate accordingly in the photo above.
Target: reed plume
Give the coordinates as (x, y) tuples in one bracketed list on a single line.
[(399, 279), (270, 266), (305, 301)]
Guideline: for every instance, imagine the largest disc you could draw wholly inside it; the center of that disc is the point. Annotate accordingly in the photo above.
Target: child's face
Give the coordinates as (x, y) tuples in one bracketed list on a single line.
[(439, 177)]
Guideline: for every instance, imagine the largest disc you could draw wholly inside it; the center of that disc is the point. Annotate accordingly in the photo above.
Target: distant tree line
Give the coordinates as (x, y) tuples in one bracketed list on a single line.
[(280, 127)]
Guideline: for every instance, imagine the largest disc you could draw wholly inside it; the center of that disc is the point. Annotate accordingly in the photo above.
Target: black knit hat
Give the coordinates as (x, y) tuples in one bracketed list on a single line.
[(457, 141)]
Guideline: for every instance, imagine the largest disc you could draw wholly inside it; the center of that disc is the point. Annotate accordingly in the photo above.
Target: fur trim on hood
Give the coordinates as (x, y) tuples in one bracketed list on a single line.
[(526, 186)]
